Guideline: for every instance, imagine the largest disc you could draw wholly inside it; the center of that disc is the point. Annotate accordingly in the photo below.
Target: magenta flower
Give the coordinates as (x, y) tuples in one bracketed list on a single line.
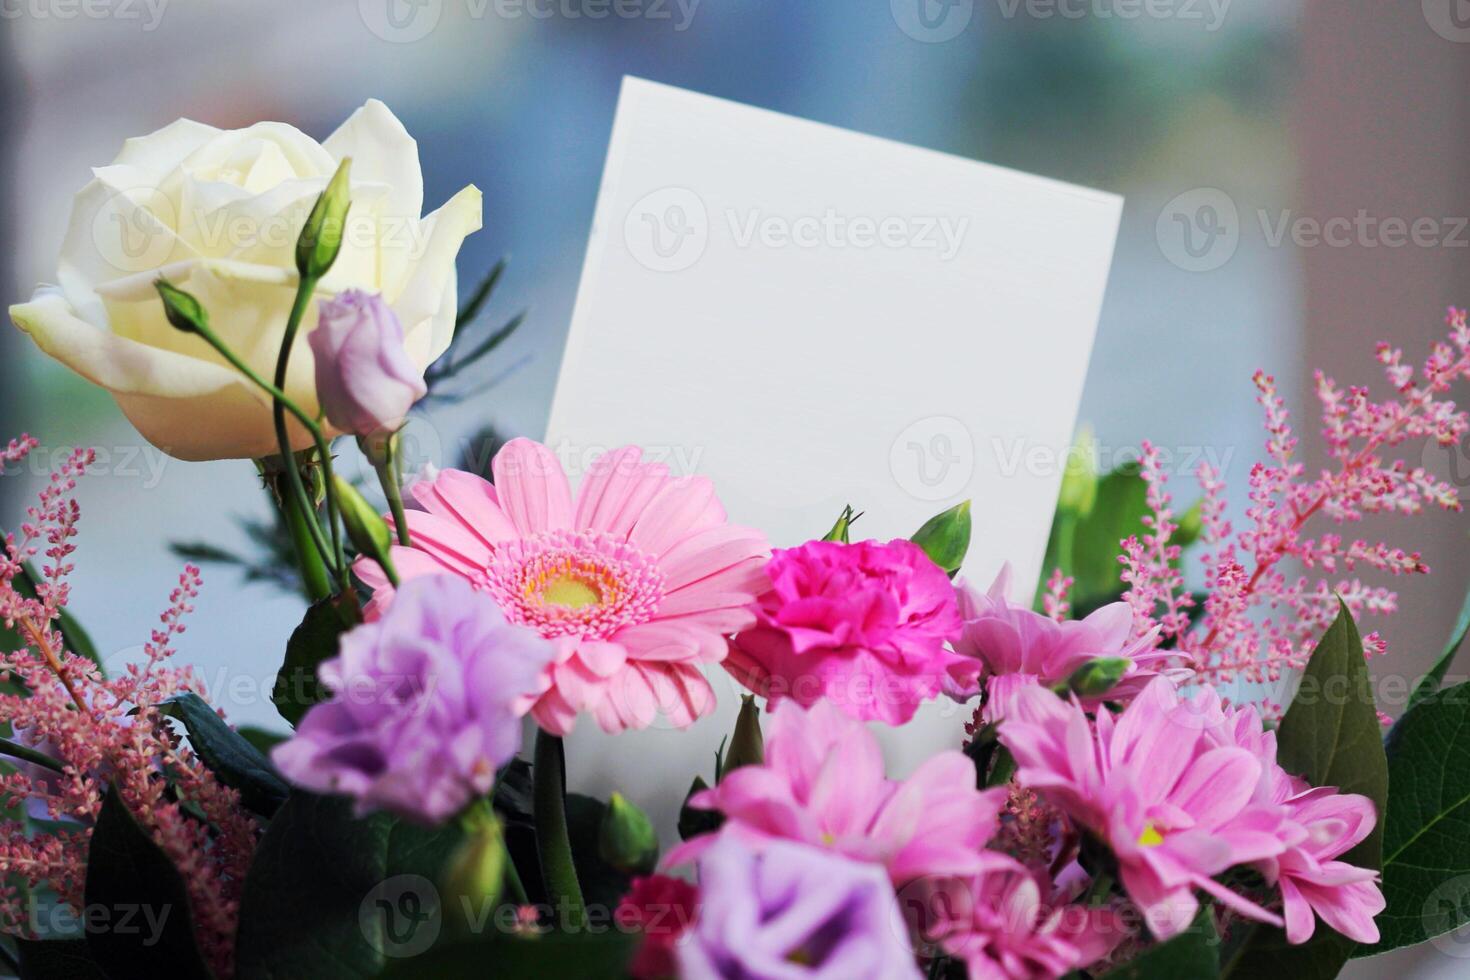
[(861, 625), (1001, 925), (423, 709), (789, 911), (636, 581), (660, 909), (1008, 646), (823, 783), (365, 380), (1175, 807)]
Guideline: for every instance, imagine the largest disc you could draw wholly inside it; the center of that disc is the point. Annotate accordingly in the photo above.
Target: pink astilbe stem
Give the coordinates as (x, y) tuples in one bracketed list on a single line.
[(104, 732), (1245, 574)]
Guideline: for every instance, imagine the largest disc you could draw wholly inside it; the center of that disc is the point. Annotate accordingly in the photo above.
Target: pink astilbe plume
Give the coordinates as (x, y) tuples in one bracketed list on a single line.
[(1260, 618), (104, 731)]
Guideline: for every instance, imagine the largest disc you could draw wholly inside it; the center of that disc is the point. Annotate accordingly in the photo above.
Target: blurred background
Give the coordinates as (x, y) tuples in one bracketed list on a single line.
[(1234, 128)]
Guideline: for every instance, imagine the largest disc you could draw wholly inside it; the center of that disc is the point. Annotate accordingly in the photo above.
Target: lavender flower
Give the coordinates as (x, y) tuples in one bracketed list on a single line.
[(426, 704), (365, 380), (788, 911)]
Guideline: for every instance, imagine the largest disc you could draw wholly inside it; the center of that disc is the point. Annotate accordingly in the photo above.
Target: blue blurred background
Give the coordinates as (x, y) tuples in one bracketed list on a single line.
[(1288, 109)]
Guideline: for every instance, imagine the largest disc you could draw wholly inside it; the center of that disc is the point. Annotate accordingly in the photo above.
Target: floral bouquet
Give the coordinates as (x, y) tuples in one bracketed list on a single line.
[(1157, 781)]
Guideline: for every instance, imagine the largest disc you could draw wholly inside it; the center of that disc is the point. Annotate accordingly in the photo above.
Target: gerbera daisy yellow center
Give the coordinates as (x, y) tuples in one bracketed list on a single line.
[(1150, 836), (569, 583)]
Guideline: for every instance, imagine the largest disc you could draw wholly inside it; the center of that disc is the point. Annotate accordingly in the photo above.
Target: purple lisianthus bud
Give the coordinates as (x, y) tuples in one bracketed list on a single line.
[(782, 910), (426, 704), (365, 380)]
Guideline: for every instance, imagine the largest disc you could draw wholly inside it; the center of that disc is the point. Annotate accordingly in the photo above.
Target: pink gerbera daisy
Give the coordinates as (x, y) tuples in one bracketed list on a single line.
[(637, 580)]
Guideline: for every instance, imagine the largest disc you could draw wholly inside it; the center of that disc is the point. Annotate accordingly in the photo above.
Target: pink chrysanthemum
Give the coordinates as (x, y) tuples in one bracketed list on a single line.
[(823, 783), (860, 625), (1175, 807), (637, 580), (1002, 925), (1006, 645)]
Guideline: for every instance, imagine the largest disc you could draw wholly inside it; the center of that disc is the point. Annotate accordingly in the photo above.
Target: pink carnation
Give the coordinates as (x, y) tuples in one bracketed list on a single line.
[(1175, 807), (636, 581), (1008, 645), (861, 625), (823, 783), (1001, 925)]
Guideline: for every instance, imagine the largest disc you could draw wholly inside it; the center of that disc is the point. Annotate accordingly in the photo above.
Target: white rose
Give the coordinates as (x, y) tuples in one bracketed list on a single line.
[(218, 213)]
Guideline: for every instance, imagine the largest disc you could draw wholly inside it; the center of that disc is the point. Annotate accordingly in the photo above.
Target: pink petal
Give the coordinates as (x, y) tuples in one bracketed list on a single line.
[(466, 498), (452, 543), (532, 487), (683, 507), (617, 488)]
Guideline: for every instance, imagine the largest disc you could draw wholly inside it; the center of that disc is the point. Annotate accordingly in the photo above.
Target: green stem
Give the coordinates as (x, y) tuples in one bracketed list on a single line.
[(304, 291), (27, 754), (283, 404), (313, 570), (553, 842), (386, 464)]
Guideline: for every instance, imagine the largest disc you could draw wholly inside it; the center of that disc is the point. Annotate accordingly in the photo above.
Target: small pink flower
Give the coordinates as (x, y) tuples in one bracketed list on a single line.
[(1008, 646), (1001, 925), (1175, 808), (636, 581), (861, 625), (823, 783)]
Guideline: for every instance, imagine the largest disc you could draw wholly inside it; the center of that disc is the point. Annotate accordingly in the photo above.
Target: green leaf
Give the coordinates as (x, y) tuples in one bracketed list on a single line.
[(602, 884), (57, 959), (297, 688), (1085, 545), (1194, 953), (262, 739), (1330, 737), (228, 754), (330, 897), (586, 956), (692, 820), (144, 927), (1426, 844), (1431, 681)]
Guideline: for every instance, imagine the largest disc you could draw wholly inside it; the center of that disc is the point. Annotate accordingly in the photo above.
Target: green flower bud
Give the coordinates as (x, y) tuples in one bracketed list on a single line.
[(1079, 480), (839, 530), (321, 236), (475, 875), (183, 311), (626, 839), (747, 745), (365, 529), (945, 537), (1099, 676)]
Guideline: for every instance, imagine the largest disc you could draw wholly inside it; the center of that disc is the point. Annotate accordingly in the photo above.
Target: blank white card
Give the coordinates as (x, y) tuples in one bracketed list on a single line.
[(813, 317)]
